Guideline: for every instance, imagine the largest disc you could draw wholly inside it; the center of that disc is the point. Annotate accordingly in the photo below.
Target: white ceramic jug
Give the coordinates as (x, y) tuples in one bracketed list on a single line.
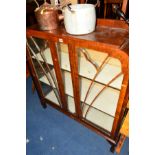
[(80, 18)]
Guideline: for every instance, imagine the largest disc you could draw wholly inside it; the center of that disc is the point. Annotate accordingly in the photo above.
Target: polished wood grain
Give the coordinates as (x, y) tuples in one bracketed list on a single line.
[(58, 74), (110, 37), (75, 77), (108, 32)]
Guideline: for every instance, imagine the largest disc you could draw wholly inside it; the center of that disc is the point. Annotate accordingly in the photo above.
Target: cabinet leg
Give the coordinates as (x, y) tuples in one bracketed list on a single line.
[(44, 105), (33, 87), (112, 148)]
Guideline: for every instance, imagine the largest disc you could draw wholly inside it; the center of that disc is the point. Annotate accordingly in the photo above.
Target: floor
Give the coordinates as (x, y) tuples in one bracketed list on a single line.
[(50, 132)]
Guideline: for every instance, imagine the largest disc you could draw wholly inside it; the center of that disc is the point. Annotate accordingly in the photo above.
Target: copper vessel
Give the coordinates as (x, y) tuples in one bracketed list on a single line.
[(47, 17)]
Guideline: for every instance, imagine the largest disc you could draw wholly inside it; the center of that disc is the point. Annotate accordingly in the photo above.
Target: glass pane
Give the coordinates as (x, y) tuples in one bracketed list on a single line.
[(98, 118), (64, 62), (106, 101), (91, 60), (100, 83), (43, 65), (71, 104)]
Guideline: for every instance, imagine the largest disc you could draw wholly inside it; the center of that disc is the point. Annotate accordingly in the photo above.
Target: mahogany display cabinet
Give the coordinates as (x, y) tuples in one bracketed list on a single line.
[(83, 76)]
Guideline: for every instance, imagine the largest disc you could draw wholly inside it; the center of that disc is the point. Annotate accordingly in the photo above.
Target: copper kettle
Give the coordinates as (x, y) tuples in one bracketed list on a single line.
[(47, 17)]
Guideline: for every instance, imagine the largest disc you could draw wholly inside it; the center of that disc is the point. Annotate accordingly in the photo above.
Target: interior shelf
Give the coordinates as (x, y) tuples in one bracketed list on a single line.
[(95, 116), (45, 80), (106, 101), (51, 96), (70, 100), (86, 69), (38, 69), (99, 118)]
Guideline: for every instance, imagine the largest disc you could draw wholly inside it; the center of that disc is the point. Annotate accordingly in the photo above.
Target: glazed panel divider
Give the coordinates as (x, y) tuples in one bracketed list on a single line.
[(35, 78), (58, 74), (75, 78)]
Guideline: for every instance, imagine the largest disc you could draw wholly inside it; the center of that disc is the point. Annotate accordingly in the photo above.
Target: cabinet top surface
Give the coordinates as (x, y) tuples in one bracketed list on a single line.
[(109, 32)]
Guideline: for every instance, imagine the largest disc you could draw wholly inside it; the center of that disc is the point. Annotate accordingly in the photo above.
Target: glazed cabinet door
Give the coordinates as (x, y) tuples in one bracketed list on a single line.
[(100, 78), (88, 82), (51, 64)]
